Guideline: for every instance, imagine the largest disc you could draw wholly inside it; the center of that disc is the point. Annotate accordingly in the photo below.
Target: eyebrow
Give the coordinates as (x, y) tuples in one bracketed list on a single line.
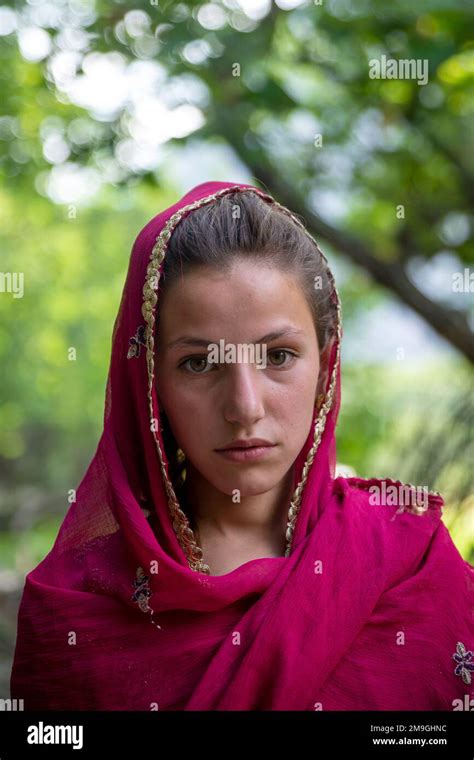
[(189, 340)]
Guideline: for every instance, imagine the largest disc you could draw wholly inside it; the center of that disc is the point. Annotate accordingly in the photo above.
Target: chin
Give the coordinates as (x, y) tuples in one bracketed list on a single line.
[(247, 485)]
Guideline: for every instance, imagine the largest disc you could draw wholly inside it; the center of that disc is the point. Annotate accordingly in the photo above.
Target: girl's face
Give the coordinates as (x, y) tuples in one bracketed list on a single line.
[(210, 405)]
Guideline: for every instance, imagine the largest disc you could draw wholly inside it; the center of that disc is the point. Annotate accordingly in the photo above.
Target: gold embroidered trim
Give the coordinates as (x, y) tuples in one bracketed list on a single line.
[(320, 423), (414, 509), (180, 522)]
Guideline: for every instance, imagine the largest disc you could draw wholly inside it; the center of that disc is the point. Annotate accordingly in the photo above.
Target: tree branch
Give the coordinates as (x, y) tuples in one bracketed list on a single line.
[(449, 323)]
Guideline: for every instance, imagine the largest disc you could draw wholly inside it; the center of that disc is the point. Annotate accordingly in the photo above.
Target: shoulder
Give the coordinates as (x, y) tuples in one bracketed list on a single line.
[(394, 496), (392, 521)]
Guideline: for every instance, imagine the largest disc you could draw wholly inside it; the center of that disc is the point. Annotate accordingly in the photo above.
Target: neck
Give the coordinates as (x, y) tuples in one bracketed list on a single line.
[(258, 519)]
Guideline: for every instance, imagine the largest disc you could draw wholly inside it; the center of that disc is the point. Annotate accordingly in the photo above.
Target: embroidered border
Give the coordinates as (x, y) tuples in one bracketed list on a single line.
[(414, 509), (142, 594)]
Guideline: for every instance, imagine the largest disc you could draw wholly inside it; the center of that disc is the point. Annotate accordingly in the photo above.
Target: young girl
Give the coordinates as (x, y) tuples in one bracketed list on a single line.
[(212, 559)]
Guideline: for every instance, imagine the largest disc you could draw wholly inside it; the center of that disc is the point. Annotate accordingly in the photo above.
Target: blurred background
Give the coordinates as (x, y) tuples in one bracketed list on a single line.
[(111, 111)]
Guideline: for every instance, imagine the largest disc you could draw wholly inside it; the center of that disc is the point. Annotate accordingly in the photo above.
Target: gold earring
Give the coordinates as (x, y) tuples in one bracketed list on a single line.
[(180, 458)]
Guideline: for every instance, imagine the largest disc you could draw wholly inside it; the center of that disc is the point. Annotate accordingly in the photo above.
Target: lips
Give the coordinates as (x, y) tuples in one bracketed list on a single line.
[(247, 451), (249, 443)]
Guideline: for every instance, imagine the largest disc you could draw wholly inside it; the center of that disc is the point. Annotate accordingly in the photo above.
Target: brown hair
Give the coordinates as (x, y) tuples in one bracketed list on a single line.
[(245, 225)]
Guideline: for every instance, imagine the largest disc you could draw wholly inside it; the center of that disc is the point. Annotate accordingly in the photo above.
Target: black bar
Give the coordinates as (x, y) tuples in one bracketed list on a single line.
[(312, 734)]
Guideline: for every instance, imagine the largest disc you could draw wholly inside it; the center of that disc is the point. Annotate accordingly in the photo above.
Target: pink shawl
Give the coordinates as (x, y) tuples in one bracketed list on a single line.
[(371, 609)]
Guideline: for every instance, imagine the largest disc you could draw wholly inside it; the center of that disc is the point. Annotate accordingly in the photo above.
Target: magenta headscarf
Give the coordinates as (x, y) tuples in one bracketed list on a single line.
[(370, 609)]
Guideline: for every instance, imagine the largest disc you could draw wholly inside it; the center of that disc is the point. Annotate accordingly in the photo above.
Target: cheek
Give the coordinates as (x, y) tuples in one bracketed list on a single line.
[(187, 413), (295, 399), (294, 419), (175, 397), (293, 408)]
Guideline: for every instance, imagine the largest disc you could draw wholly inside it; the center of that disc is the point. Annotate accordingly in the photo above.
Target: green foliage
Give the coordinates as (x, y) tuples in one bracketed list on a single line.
[(414, 424), (55, 342)]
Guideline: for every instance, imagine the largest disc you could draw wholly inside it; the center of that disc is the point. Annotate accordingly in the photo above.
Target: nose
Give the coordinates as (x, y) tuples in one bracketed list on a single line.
[(243, 394)]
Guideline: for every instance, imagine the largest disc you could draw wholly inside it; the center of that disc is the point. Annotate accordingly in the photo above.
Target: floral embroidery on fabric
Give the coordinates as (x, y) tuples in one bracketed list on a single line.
[(136, 343), (465, 666), (142, 593)]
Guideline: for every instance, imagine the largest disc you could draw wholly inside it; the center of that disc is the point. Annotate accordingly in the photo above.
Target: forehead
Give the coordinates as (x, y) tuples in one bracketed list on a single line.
[(248, 292)]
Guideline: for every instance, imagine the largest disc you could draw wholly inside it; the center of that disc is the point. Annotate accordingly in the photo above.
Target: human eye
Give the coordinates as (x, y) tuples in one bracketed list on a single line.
[(284, 354), (204, 366)]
